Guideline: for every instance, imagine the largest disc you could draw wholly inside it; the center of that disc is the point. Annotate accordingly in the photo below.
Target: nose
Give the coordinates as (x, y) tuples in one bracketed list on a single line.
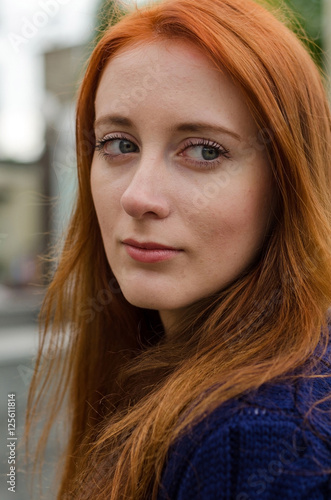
[(146, 191)]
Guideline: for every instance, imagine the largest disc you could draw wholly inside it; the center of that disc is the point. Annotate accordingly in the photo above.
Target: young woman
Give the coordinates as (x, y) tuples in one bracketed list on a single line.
[(195, 280)]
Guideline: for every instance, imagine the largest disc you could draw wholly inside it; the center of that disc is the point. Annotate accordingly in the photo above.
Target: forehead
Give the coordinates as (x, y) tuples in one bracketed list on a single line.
[(163, 56), (169, 63), (169, 77)]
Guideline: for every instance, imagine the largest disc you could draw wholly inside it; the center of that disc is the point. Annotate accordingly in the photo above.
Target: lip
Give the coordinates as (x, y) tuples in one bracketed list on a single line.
[(148, 245), (149, 252)]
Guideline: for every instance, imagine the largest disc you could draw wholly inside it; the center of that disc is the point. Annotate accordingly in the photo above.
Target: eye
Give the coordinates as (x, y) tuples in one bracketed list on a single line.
[(115, 145), (204, 152)]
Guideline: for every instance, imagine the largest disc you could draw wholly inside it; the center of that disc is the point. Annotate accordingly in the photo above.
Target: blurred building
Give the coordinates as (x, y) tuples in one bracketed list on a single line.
[(60, 100), (21, 218), (42, 53)]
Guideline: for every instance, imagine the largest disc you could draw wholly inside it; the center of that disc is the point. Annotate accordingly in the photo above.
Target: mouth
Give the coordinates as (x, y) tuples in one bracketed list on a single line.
[(148, 245), (149, 252)]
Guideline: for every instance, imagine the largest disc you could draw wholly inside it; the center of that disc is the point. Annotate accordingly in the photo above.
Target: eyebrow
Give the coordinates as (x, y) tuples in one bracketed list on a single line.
[(181, 127)]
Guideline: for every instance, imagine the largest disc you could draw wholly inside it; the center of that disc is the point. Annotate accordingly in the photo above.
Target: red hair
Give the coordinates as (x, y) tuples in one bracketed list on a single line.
[(127, 384)]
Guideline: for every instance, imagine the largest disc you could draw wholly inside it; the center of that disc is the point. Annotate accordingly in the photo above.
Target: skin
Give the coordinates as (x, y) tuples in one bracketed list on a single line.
[(154, 187)]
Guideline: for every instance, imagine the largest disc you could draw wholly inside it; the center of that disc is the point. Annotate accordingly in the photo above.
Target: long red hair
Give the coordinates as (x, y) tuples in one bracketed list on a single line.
[(128, 386)]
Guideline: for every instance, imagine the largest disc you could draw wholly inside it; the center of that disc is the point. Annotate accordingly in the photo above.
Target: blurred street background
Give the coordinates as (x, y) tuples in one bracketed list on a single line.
[(44, 45)]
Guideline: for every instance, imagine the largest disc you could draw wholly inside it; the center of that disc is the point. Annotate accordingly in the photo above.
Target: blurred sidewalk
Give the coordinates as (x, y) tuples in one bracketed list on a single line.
[(19, 306), (18, 343)]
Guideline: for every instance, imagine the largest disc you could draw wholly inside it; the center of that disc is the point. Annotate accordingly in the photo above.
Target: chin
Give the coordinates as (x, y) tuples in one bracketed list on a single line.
[(150, 300), (145, 302)]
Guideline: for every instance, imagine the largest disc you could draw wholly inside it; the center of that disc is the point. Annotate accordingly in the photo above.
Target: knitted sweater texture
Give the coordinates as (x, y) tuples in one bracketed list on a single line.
[(257, 447)]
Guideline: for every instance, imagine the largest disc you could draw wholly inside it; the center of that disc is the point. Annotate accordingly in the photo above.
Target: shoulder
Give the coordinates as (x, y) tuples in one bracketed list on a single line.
[(257, 446), (257, 453)]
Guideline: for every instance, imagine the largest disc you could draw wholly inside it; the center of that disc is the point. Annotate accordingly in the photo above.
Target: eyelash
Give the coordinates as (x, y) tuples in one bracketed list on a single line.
[(208, 165)]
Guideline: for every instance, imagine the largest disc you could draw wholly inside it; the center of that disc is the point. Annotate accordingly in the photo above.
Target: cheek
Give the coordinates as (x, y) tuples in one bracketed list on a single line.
[(104, 198), (238, 222)]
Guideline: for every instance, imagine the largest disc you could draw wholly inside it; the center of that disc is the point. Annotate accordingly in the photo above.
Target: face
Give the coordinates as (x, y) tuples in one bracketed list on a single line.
[(178, 164)]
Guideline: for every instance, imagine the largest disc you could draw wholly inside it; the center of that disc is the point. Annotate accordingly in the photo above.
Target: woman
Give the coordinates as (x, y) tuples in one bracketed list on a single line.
[(196, 274)]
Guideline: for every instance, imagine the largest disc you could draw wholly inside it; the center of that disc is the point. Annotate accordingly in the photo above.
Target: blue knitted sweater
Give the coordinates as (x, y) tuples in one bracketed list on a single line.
[(257, 447)]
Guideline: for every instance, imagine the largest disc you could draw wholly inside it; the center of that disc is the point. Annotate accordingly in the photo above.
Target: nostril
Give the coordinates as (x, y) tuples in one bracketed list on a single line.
[(139, 203)]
